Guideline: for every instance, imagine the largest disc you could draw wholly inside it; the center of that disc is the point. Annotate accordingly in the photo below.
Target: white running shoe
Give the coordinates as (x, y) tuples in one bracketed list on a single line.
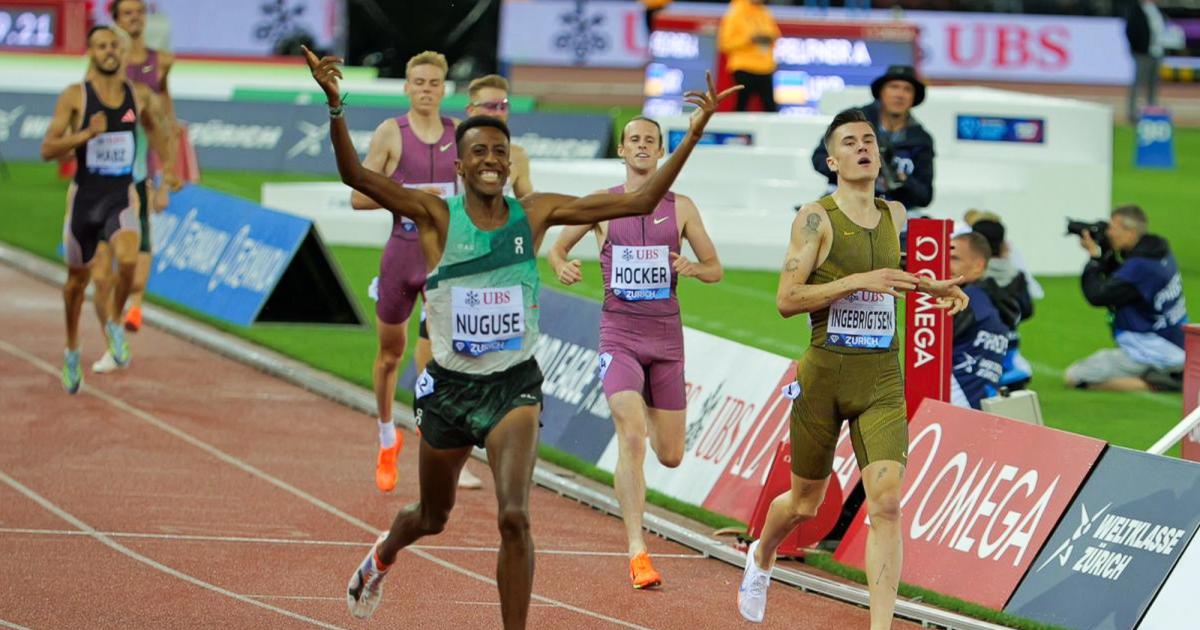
[(365, 589), (106, 364), (468, 481), (752, 596)]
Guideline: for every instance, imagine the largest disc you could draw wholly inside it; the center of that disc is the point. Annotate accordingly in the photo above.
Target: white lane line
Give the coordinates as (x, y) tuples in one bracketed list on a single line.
[(158, 423), (9, 624), (325, 543), (119, 548)]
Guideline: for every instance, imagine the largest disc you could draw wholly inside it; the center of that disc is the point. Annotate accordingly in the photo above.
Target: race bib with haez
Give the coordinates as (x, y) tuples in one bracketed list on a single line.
[(441, 189), (641, 272), (111, 153), (487, 320), (863, 319)]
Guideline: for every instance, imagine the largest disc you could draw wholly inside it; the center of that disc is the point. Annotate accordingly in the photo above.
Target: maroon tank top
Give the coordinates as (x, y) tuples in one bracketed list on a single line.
[(636, 263), (421, 163), (145, 72)]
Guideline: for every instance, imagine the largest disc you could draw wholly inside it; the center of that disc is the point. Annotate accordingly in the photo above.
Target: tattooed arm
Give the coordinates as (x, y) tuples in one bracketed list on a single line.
[(811, 232)]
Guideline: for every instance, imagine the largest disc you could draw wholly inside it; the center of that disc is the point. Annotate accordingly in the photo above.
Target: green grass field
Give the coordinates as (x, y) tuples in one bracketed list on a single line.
[(741, 307)]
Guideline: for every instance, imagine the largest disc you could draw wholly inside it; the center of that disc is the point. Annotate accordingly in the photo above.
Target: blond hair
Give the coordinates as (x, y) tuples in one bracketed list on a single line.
[(975, 214), (487, 81), (428, 58)]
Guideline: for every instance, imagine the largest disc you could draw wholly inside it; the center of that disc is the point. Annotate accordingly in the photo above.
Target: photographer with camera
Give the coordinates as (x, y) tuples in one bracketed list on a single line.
[(905, 148), (1134, 275)]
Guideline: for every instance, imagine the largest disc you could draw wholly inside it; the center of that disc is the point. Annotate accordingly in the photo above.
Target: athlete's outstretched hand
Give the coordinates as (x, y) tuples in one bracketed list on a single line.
[(326, 73), (886, 280), (706, 102), (569, 273), (683, 266), (948, 293)]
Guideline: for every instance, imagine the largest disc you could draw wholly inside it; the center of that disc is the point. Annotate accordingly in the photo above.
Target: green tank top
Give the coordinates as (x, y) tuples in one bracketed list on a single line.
[(481, 301), (140, 168), (862, 322)]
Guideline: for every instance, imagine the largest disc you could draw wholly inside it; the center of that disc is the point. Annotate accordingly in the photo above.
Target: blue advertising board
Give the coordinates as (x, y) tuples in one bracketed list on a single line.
[(286, 137), (222, 255), (1116, 544), (575, 416), (1001, 129), (1155, 139)]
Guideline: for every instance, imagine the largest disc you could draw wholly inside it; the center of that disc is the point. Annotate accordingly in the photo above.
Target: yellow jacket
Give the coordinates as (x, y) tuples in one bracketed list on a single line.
[(740, 25)]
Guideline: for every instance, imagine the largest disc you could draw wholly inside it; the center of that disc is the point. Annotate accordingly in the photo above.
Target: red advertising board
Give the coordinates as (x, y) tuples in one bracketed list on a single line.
[(745, 477), (981, 495), (928, 334), (1190, 444)]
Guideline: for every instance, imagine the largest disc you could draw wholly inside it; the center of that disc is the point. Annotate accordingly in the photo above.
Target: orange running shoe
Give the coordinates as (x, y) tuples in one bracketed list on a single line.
[(642, 572), (385, 465), (133, 320)]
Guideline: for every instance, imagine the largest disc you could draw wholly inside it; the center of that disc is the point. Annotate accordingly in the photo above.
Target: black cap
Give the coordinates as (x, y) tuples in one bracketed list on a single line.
[(991, 230), (900, 73)]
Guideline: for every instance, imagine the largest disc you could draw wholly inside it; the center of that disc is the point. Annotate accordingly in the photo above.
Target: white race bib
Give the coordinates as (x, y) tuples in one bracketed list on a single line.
[(641, 272), (863, 319), (111, 153), (487, 320)]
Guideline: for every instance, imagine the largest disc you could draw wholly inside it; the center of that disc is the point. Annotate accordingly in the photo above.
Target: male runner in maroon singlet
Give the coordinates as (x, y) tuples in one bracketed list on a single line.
[(418, 151), (641, 333), (149, 67), (96, 119)]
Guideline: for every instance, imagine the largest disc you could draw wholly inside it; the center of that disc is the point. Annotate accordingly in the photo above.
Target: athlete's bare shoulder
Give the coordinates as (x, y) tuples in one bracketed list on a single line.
[(811, 217), (899, 215)]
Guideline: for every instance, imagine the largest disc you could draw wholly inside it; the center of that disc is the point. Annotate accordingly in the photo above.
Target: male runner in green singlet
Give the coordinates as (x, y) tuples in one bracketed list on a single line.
[(842, 267)]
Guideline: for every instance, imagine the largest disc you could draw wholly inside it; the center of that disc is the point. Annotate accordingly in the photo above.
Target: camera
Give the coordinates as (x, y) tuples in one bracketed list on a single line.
[(1097, 229), (887, 159)]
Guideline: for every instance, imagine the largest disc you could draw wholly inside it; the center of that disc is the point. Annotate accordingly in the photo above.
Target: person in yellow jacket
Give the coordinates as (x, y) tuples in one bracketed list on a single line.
[(747, 37)]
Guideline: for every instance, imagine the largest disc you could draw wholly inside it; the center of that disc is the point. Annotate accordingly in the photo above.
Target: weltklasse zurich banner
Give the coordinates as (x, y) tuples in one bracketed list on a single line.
[(1116, 544), (595, 33), (981, 495)]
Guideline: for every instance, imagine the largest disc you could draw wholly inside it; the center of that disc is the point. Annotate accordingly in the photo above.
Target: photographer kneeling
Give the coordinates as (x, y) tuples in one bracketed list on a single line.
[(1135, 276)]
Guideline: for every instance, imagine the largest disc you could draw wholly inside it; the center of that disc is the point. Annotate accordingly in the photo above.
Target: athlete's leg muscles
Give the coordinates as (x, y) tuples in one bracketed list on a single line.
[(629, 479), (102, 283), (437, 475), (883, 481), (512, 453), (392, 338), (141, 275), (73, 296), (787, 511), (124, 247), (667, 435)]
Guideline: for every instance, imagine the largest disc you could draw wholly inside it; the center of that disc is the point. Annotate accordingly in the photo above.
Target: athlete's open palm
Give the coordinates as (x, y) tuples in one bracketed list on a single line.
[(949, 295), (325, 71), (706, 102)]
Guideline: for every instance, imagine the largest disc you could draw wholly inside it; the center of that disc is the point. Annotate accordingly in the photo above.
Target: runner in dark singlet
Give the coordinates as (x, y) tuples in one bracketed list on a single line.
[(97, 120), (416, 150), (641, 333)]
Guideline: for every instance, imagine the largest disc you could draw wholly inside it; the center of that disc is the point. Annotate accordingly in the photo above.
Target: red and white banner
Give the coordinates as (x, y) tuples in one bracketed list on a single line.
[(928, 335), (1190, 445), (981, 495), (733, 394)]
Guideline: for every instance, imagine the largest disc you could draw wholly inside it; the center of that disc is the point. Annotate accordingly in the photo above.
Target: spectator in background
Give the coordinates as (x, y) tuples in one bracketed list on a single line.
[(653, 7), (1145, 29), (747, 36), (904, 146), (1136, 278), (980, 330), (1007, 283)]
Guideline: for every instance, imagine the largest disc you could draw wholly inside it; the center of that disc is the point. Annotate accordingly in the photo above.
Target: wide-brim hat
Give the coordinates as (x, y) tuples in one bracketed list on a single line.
[(900, 73)]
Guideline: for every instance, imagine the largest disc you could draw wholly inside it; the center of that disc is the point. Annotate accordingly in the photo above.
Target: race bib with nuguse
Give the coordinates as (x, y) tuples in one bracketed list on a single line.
[(111, 153), (487, 320), (863, 319), (641, 272)]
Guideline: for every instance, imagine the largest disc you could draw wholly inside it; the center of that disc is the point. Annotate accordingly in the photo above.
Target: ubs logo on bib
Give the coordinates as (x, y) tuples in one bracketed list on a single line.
[(866, 297), (488, 298)]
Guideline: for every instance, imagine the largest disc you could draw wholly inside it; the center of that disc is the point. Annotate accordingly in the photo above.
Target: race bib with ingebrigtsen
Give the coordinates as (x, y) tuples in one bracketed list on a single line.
[(445, 190), (487, 320), (111, 153), (641, 272), (863, 319)]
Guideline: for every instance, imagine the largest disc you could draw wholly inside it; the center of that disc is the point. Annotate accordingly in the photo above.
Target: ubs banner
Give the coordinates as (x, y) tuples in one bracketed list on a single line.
[(981, 495), (1116, 544)]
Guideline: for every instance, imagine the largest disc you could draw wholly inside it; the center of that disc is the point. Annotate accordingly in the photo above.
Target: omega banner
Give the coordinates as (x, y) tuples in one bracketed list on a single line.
[(928, 333), (981, 495)]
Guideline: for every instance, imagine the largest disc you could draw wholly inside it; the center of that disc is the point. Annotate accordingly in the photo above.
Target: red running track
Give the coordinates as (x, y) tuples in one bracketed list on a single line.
[(191, 491)]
